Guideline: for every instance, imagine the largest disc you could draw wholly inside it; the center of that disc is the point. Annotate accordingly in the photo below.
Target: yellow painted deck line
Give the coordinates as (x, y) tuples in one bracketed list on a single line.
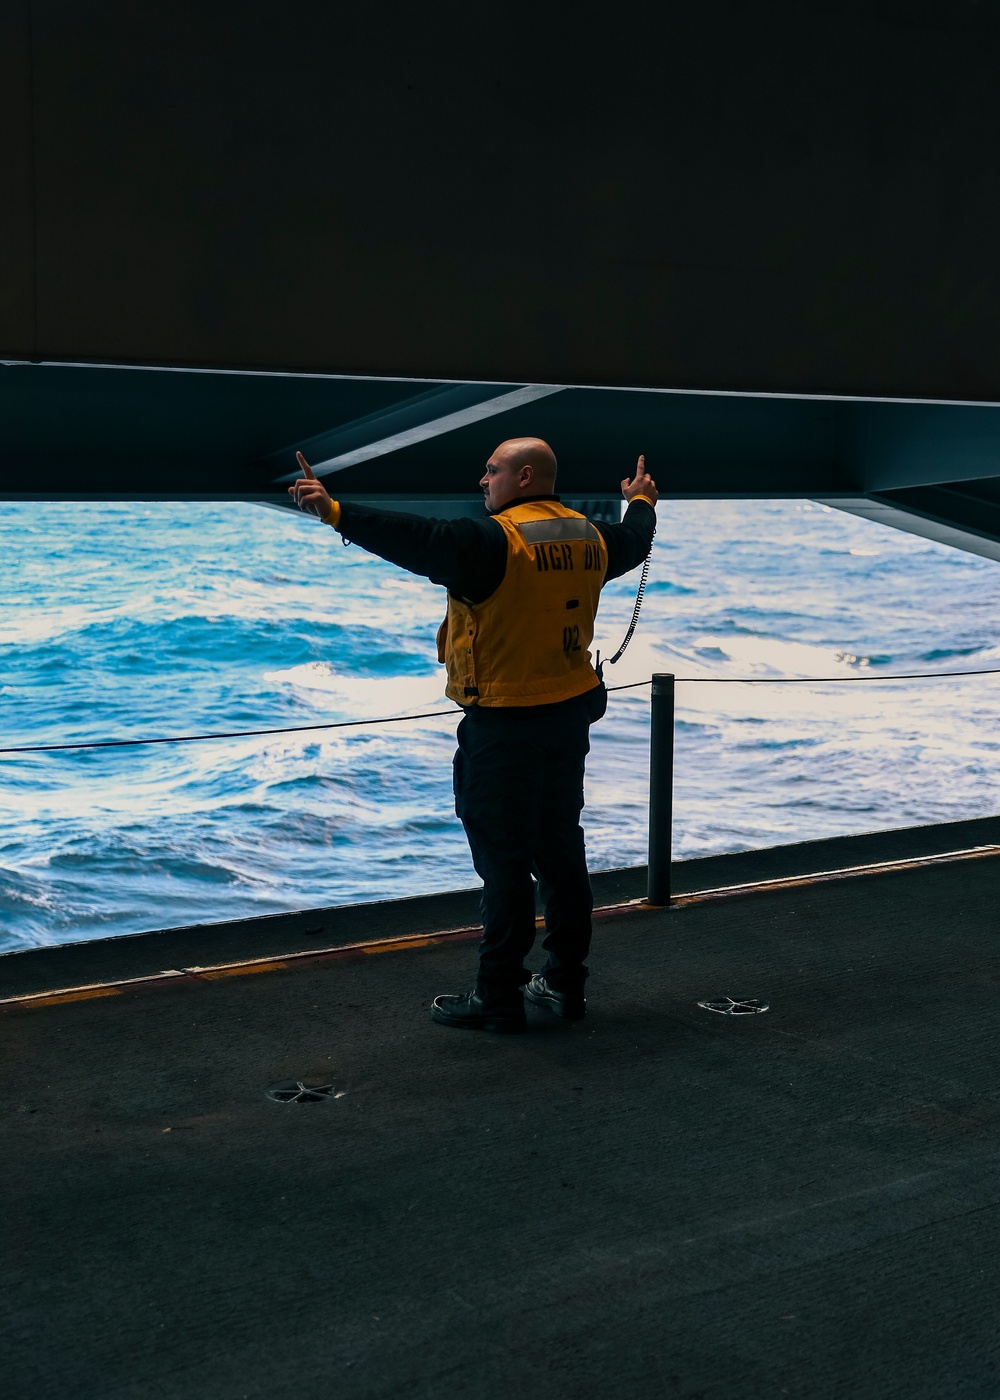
[(371, 945), (52, 998), (420, 942), (249, 966), (821, 877), (89, 989), (243, 969)]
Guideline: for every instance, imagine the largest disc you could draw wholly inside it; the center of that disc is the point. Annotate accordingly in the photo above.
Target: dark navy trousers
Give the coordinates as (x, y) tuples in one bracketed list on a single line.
[(519, 795)]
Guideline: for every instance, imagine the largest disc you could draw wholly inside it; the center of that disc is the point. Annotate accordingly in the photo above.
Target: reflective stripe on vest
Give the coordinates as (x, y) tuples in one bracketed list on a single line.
[(550, 531), (528, 643)]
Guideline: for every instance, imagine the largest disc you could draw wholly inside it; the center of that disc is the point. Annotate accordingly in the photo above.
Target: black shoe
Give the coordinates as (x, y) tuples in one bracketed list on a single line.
[(476, 1012), (572, 1006)]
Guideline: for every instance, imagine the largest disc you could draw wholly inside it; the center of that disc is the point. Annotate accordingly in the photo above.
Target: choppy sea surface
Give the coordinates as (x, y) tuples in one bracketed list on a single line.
[(125, 620)]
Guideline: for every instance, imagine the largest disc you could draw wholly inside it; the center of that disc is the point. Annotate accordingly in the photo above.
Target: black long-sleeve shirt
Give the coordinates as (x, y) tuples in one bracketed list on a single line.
[(469, 557)]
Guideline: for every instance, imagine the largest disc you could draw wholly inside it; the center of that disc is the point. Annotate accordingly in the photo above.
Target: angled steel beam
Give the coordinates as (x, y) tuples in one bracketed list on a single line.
[(942, 514), (425, 416)]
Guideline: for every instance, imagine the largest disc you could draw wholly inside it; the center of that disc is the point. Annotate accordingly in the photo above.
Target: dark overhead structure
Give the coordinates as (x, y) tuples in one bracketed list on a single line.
[(757, 243)]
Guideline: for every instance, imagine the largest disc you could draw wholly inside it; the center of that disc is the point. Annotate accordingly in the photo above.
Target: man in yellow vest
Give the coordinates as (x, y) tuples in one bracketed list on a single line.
[(523, 589)]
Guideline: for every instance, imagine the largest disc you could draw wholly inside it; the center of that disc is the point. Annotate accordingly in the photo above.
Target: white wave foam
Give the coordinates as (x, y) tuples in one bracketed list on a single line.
[(755, 655), (27, 628), (359, 697)]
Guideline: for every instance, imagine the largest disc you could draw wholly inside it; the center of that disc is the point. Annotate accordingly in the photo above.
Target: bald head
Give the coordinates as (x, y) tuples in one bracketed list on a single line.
[(534, 453), (519, 467)]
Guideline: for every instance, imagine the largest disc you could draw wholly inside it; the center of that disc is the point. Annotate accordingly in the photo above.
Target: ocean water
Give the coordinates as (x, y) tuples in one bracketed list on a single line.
[(128, 620)]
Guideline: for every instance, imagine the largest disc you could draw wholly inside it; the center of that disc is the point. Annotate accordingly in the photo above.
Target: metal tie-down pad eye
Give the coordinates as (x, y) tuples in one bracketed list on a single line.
[(299, 1091), (746, 1006)]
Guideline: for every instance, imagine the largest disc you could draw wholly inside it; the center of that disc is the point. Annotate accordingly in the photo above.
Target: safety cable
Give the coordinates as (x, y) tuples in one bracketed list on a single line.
[(232, 734), (439, 714), (248, 733), (828, 680)]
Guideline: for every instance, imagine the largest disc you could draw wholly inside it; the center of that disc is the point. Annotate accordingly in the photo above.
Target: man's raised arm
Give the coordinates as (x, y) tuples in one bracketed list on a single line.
[(468, 557)]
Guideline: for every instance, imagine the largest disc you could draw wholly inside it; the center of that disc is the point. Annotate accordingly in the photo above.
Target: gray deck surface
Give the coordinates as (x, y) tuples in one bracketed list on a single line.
[(656, 1201)]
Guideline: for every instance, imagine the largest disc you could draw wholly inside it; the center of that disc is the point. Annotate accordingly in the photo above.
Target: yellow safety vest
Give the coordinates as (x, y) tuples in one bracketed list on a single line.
[(527, 644)]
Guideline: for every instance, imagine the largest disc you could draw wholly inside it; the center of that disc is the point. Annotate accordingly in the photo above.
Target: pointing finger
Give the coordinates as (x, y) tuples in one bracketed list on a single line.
[(305, 466)]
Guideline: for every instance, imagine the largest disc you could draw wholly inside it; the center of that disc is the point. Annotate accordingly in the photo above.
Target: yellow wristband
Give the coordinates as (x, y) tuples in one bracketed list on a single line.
[(640, 497), (332, 516)]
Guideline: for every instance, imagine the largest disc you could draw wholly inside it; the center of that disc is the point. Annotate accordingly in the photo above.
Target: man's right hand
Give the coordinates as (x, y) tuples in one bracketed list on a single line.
[(308, 493), (642, 484)]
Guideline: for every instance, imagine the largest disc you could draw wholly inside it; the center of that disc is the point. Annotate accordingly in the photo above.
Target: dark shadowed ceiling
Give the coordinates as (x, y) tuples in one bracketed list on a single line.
[(738, 233)]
